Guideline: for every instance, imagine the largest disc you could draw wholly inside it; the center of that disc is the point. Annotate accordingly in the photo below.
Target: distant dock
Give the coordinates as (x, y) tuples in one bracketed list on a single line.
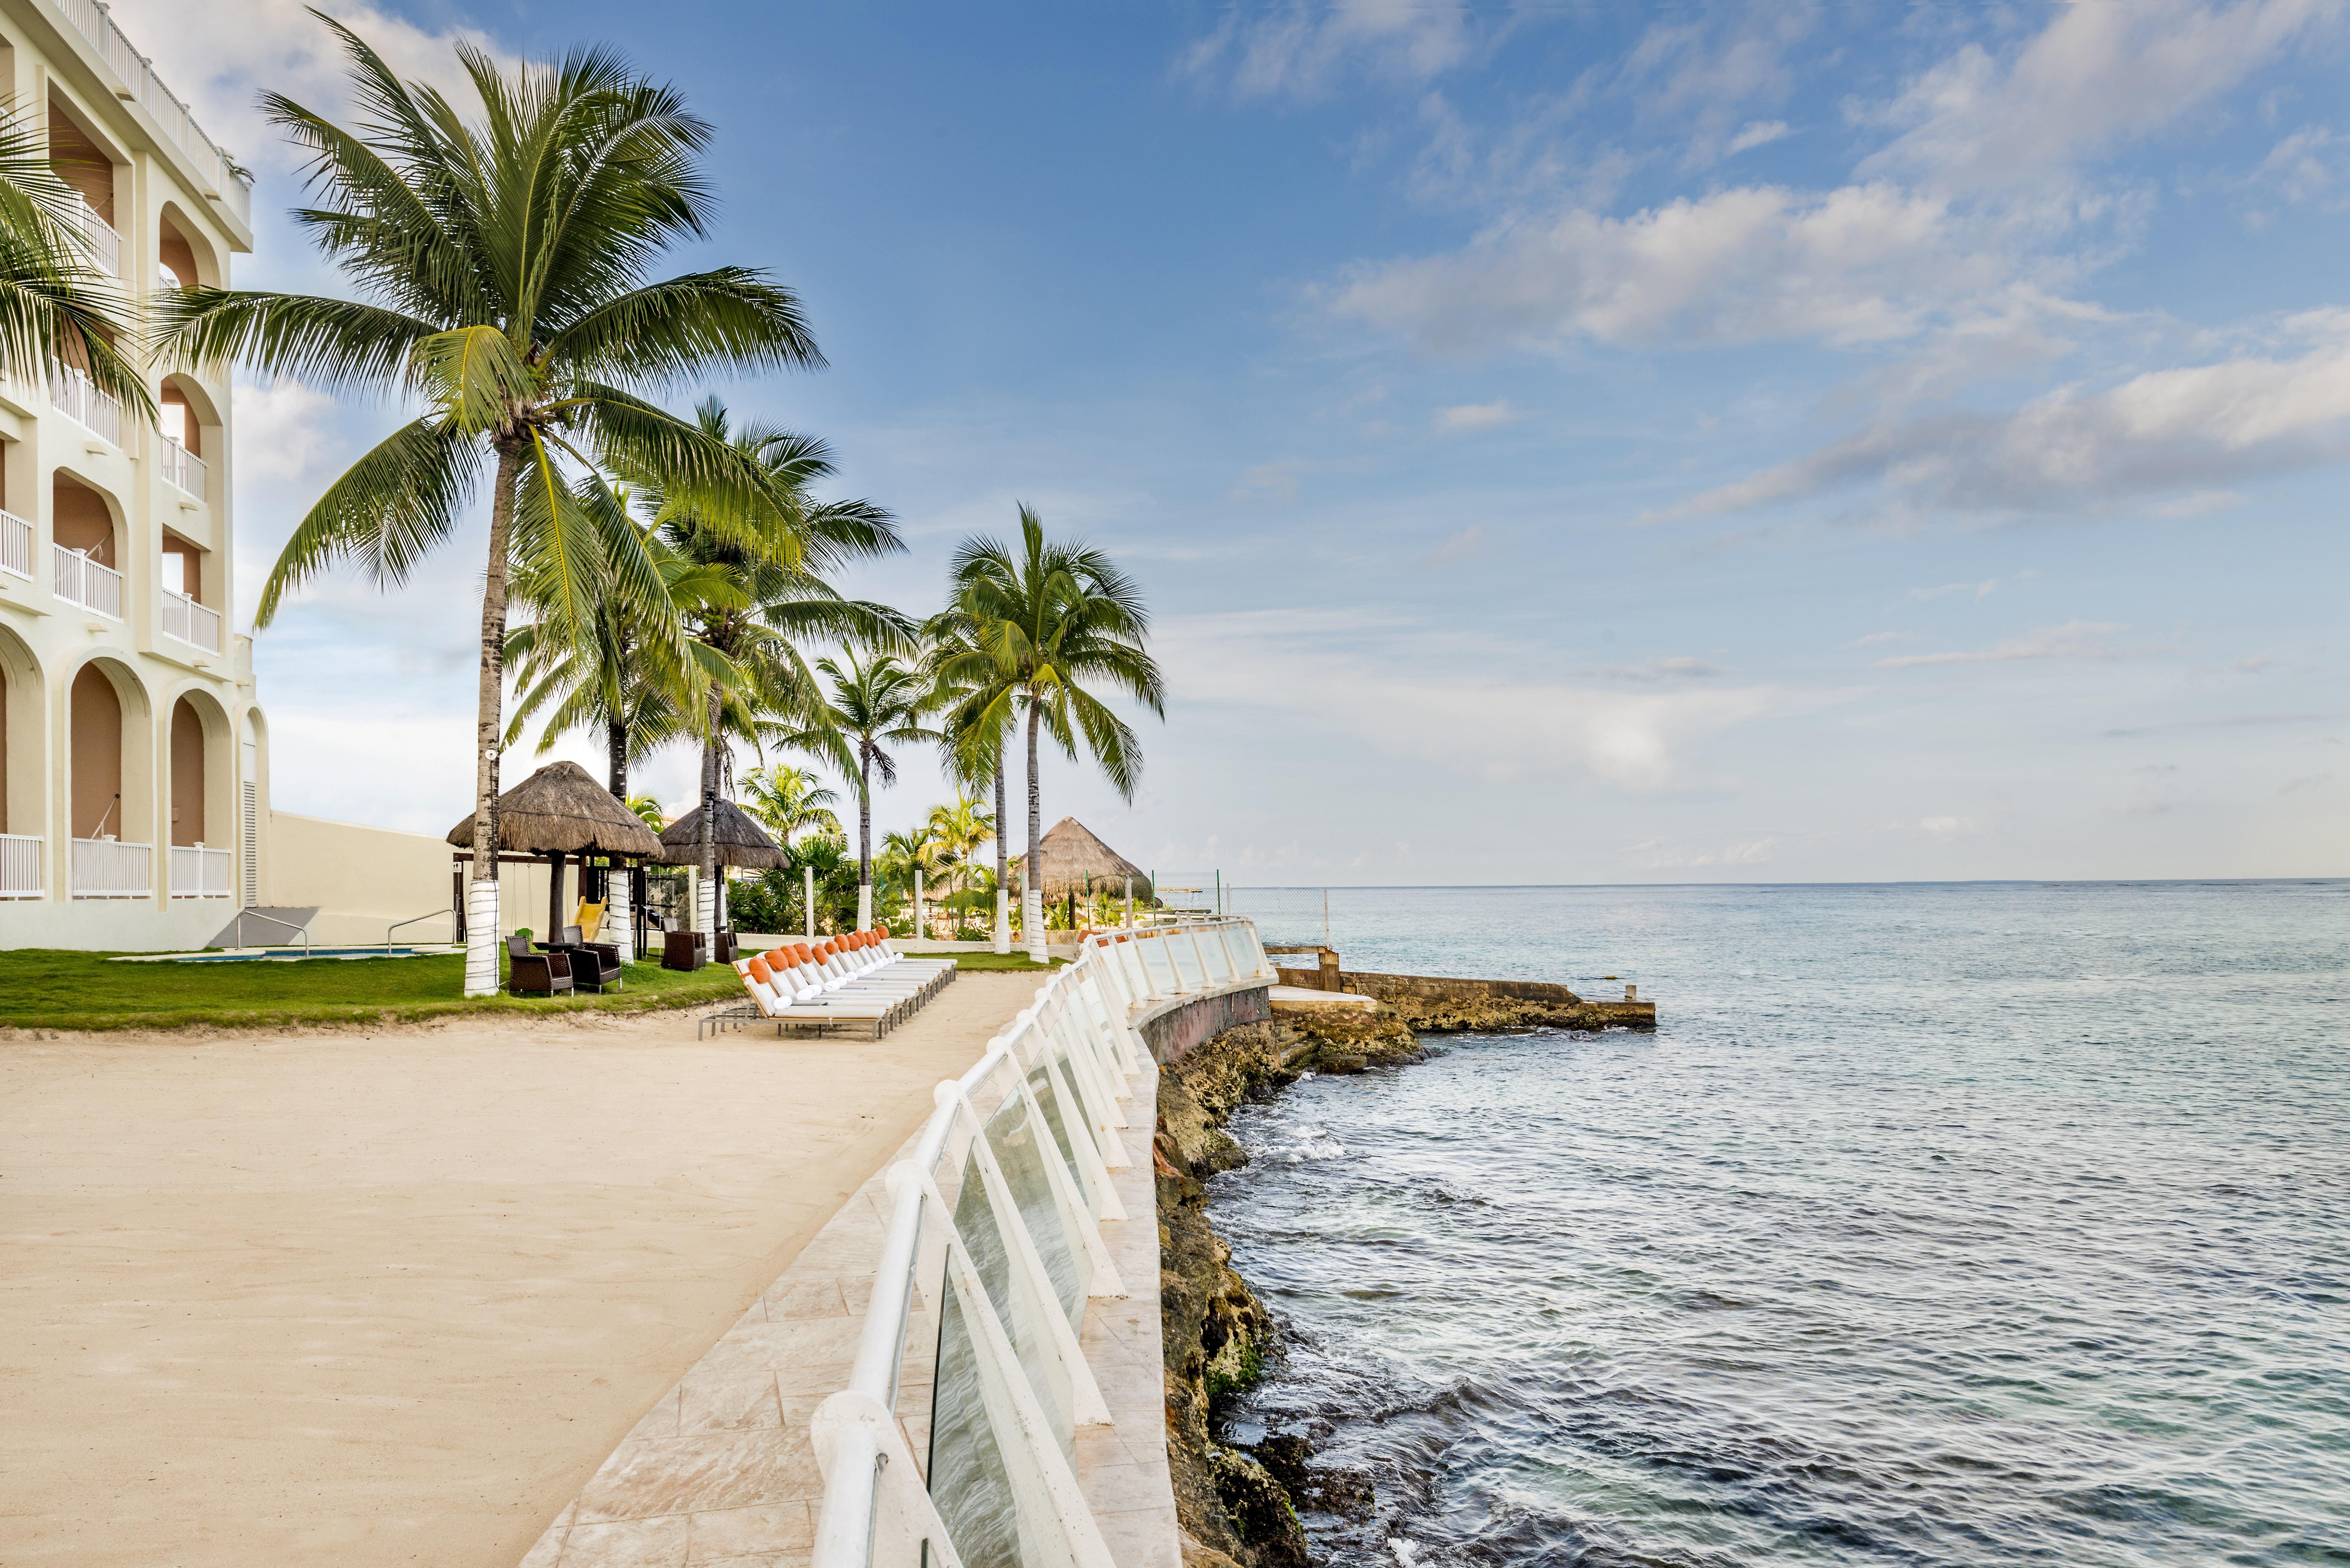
[(1443, 1002)]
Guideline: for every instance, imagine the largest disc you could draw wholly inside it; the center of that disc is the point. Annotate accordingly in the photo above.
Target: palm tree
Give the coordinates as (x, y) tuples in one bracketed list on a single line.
[(56, 308), (1042, 623), (787, 800), (624, 673), (873, 706), (502, 264), (648, 811), (976, 726), (959, 829), (906, 856), (755, 678)]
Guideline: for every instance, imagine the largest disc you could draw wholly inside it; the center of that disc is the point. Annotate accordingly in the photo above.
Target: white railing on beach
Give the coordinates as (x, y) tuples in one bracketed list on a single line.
[(108, 868), (180, 466), (77, 579), (182, 618), (142, 86), (201, 873), (74, 396), (21, 855), (1025, 1140), (15, 545)]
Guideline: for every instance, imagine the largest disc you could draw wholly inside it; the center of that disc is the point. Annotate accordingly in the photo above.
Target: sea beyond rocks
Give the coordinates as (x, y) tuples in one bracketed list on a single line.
[(1237, 1506)]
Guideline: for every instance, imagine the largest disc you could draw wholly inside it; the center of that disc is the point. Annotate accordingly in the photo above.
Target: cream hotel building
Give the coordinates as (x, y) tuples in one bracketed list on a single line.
[(134, 781)]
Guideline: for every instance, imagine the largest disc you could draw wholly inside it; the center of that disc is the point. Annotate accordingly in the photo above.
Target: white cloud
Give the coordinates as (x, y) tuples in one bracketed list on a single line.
[(1476, 416), (1759, 133), (2308, 164), (1466, 543), (1452, 699), (2163, 432), (1860, 265), (2074, 639), (1947, 827), (1667, 853), (1300, 50), (2097, 74), (218, 57)]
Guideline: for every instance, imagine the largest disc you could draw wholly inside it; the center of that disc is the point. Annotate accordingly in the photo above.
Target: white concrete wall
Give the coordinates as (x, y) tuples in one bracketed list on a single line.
[(360, 879)]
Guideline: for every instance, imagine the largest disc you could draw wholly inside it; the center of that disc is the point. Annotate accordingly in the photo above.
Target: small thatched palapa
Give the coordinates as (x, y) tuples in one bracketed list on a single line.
[(561, 809), (1077, 862), (740, 841)]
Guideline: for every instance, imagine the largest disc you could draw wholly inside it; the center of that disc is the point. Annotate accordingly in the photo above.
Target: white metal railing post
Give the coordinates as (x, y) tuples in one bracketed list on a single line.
[(1106, 1281), (1117, 1069), (1150, 990), (1200, 951), (21, 855), (1094, 1099), (1063, 1029), (16, 547)]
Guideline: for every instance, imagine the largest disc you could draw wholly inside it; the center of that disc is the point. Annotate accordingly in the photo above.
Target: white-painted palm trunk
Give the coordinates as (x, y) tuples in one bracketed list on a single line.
[(807, 906), (705, 902), (1002, 921), (619, 930), (1032, 918), (482, 938), (865, 906), (914, 931)]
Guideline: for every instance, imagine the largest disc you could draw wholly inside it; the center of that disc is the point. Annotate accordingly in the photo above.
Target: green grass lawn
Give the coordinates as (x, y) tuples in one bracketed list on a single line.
[(47, 988), (44, 988)]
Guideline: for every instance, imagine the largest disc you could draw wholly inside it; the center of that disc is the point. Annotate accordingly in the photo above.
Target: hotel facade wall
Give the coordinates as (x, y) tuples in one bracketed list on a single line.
[(132, 511)]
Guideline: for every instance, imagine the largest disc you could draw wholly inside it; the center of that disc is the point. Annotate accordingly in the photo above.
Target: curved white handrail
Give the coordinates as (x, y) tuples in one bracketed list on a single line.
[(877, 1508)]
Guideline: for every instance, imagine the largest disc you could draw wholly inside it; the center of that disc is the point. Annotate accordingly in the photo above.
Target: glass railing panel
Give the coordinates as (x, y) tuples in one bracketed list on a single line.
[(970, 1486)]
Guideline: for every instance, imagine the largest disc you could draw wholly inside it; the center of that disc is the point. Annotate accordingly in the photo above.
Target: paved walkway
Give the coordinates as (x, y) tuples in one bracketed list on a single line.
[(393, 1298)]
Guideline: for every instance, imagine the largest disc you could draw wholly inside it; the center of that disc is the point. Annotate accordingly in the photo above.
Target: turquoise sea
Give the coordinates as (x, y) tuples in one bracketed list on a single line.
[(1937, 1224)]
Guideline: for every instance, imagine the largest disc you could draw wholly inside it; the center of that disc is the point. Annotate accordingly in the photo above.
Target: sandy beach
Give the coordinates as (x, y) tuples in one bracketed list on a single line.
[(392, 1297)]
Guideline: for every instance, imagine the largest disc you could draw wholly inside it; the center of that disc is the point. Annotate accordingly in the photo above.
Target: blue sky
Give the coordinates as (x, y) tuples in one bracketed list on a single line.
[(1560, 443)]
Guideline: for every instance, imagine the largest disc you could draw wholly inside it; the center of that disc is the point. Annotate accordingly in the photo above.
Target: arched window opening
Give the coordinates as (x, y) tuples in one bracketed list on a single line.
[(97, 740), (188, 792)]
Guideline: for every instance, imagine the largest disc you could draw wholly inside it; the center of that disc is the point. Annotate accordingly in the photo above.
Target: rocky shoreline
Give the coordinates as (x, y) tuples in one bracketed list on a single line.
[(1238, 1507)]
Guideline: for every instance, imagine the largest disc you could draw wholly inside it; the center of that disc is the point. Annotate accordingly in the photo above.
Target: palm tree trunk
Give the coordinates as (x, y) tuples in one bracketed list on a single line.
[(706, 899), (619, 924), (481, 895), (1002, 862), (864, 838), (1031, 880)]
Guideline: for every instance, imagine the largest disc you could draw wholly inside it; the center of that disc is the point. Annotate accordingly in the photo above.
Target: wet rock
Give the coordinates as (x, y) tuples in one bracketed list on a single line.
[(1259, 1508)]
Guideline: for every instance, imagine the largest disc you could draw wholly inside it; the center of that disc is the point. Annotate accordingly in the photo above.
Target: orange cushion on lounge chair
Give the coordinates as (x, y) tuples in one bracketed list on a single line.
[(761, 972)]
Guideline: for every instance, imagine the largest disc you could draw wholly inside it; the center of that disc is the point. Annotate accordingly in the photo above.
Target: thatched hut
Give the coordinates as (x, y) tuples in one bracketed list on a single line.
[(737, 836), (561, 810), (1077, 865)]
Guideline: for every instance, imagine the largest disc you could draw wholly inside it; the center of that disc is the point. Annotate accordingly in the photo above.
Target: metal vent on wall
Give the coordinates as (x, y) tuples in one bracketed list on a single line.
[(251, 845)]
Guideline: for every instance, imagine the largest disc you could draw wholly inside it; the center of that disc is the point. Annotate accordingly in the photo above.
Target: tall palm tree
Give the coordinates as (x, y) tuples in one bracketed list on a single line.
[(756, 682), (56, 308), (976, 726), (1044, 620), (873, 706), (789, 799), (502, 264), (907, 856), (624, 674)]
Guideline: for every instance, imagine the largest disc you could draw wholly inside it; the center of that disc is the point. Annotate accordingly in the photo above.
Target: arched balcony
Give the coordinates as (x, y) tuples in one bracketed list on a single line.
[(85, 557), (202, 861), (24, 771), (109, 784)]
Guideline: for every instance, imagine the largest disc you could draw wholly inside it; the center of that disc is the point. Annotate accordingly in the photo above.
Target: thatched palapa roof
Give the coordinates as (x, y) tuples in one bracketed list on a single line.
[(740, 841), (562, 807), (1072, 855)]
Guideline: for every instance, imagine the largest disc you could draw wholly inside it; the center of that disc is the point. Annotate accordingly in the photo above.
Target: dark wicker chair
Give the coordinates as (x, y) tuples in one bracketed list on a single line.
[(535, 975), (685, 949)]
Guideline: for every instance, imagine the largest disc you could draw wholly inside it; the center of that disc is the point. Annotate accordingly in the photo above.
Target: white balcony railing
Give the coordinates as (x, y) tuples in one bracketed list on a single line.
[(108, 868), (201, 873), (180, 466), (71, 391), (77, 579), (192, 623), (232, 188), (20, 864), (1011, 1384), (15, 545), (106, 246)]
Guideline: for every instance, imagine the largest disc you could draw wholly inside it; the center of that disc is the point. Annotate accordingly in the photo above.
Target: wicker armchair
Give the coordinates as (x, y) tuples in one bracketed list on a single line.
[(537, 974)]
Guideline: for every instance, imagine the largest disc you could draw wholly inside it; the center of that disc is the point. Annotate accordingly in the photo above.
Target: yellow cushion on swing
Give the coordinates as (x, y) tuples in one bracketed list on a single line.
[(589, 919)]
